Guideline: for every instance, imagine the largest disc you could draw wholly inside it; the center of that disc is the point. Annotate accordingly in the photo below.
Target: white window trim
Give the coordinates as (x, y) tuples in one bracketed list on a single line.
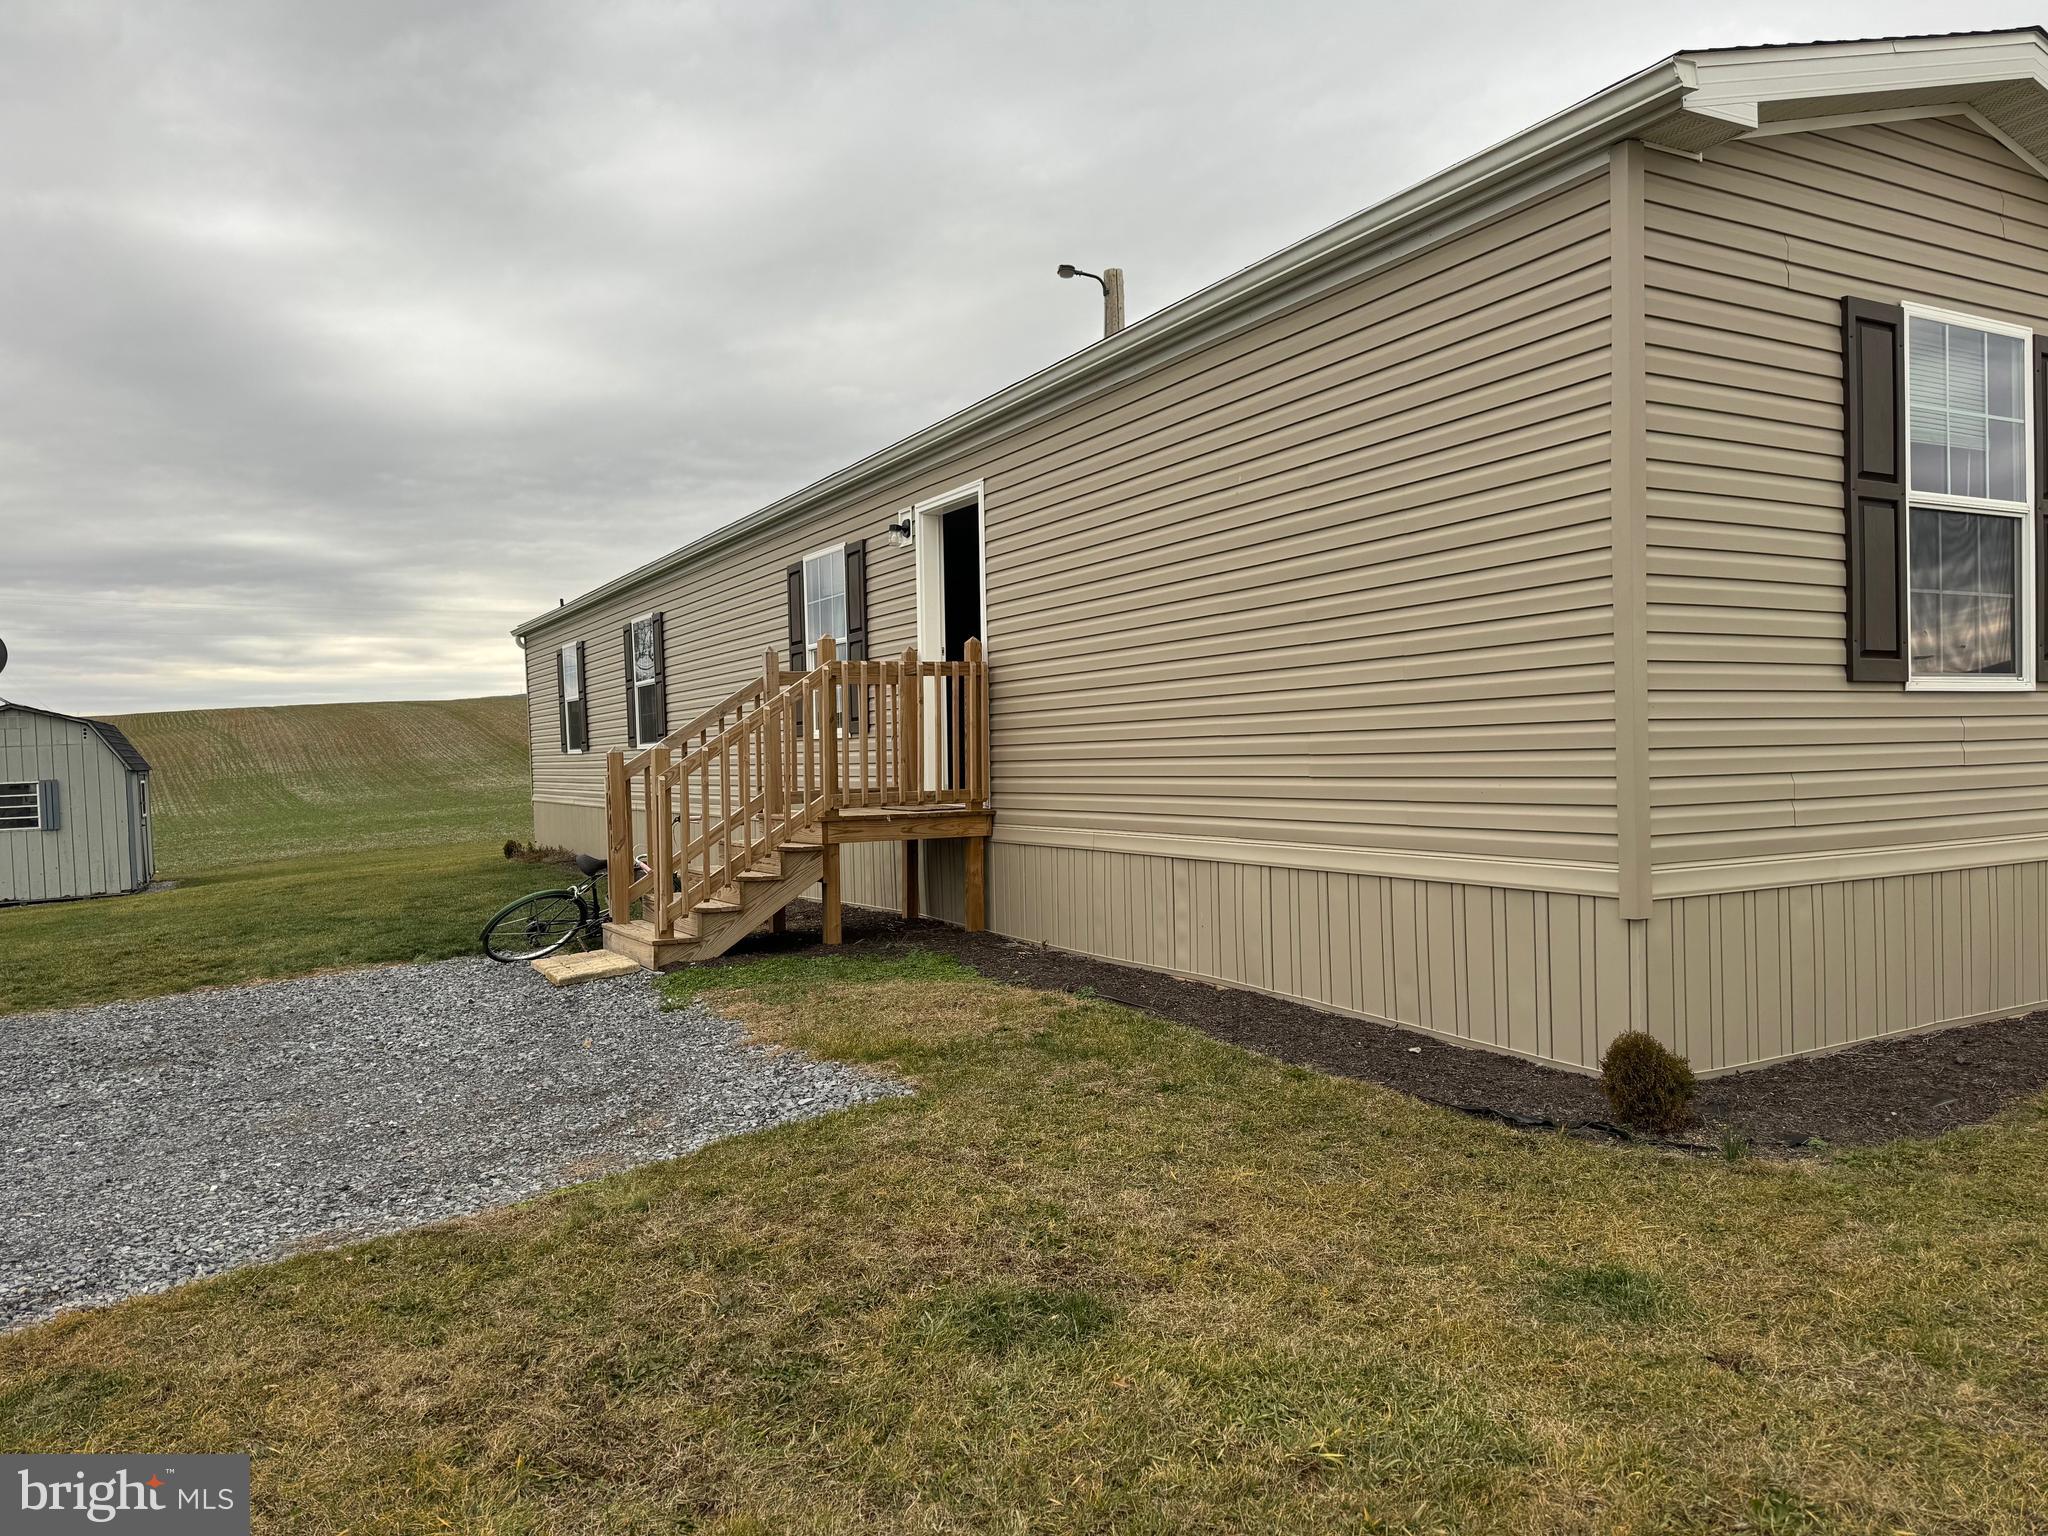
[(845, 597), (565, 657), (35, 788), (2024, 638), (634, 685)]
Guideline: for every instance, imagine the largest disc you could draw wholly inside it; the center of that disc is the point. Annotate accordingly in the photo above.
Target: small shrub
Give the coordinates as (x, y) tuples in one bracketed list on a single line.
[(1650, 1087), (535, 853)]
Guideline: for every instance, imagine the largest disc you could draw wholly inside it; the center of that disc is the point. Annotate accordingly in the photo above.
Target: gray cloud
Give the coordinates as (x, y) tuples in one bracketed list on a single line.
[(336, 339)]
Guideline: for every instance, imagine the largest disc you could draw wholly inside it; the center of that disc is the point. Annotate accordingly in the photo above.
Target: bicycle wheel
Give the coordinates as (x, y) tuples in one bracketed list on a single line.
[(535, 925)]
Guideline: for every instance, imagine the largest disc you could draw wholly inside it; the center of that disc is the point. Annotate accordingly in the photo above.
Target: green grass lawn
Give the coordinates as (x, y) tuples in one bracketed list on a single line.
[(1104, 1274), (237, 786), (300, 839), (283, 918)]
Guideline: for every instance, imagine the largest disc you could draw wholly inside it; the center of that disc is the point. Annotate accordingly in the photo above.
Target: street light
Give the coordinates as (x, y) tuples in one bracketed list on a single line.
[(1112, 281)]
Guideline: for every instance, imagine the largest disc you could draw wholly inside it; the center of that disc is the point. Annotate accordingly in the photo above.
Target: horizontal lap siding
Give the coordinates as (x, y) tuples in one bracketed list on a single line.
[(1343, 579), (1340, 582), (1360, 598), (1760, 747)]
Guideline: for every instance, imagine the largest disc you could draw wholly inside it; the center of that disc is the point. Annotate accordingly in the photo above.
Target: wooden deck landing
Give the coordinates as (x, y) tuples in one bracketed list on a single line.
[(747, 806), (857, 826)]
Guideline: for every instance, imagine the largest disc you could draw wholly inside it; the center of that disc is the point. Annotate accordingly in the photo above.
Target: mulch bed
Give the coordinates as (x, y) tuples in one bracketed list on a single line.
[(1914, 1085)]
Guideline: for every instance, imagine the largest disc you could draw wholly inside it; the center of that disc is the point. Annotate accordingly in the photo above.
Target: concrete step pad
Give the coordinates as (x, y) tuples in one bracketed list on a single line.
[(594, 965)]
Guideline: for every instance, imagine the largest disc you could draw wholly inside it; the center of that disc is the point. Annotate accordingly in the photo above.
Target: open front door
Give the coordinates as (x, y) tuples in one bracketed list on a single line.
[(960, 560), (951, 606)]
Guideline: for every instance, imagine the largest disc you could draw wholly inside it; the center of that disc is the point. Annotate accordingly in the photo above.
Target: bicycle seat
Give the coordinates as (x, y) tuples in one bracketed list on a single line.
[(591, 868)]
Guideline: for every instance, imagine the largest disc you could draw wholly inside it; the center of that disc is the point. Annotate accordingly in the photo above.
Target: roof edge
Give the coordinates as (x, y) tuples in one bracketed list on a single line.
[(112, 736), (1604, 118)]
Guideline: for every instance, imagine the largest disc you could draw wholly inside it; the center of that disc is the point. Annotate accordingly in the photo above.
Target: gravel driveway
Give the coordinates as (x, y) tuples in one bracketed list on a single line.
[(147, 1143)]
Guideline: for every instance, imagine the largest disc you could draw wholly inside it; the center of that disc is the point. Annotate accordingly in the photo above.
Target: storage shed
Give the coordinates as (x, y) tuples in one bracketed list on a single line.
[(74, 808)]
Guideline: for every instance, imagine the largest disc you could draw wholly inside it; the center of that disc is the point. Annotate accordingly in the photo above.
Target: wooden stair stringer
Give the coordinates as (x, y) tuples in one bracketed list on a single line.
[(736, 911)]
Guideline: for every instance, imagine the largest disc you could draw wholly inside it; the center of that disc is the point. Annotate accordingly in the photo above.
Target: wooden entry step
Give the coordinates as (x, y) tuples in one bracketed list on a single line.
[(715, 925)]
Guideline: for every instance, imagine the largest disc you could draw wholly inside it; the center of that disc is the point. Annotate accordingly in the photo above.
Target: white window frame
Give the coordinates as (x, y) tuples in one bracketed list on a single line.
[(2024, 639), (35, 791), (565, 660), (835, 552), (633, 683)]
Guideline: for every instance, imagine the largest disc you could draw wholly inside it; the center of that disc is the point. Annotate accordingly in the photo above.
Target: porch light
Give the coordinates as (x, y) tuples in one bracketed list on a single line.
[(904, 529)]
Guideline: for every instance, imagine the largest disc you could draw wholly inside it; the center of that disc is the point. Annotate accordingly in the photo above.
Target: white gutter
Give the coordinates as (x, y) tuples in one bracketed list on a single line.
[(1600, 120)]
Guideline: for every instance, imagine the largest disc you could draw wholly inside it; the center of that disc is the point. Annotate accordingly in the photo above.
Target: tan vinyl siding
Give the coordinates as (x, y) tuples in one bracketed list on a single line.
[(1746, 977), (1761, 750), (1536, 973), (1342, 580)]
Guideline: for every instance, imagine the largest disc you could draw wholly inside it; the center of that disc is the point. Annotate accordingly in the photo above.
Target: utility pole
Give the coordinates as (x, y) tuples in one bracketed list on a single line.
[(1112, 300), (1112, 281)]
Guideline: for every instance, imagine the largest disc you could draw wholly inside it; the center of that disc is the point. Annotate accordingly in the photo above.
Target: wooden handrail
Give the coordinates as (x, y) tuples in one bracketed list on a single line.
[(786, 752), (709, 723)]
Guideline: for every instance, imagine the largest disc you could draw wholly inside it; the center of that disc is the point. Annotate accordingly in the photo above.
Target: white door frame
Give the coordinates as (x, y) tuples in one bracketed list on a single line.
[(930, 540), (930, 548)]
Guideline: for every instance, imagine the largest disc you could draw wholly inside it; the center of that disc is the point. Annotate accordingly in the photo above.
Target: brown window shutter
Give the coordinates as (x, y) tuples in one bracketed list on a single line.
[(632, 699), (856, 628), (797, 662), (857, 601), (660, 680), (561, 701), (1874, 486), (2041, 511), (582, 718)]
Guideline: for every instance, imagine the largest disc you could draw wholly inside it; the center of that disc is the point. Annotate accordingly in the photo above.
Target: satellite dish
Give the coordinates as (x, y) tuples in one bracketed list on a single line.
[(3, 655)]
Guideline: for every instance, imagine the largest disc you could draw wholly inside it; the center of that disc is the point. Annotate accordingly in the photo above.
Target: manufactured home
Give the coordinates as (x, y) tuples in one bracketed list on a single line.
[(74, 808), (1596, 588)]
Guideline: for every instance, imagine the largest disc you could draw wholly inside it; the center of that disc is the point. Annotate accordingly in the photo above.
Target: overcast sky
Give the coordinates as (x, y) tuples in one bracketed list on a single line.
[(335, 339)]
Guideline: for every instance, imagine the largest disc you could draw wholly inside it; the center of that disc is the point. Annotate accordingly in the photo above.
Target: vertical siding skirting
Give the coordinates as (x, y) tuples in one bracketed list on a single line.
[(1740, 978), (1541, 974), (1733, 979)]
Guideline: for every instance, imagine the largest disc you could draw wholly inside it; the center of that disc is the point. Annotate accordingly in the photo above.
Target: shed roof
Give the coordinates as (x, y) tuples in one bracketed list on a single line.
[(111, 734), (1688, 103)]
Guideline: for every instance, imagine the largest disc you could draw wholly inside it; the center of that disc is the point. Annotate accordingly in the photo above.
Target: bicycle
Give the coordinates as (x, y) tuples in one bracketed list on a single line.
[(544, 922)]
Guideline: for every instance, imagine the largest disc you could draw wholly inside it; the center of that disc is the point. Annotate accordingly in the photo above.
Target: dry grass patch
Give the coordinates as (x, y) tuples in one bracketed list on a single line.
[(1102, 1273)]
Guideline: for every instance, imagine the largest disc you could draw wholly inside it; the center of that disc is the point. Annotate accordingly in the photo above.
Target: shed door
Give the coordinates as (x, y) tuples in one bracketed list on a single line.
[(146, 871)]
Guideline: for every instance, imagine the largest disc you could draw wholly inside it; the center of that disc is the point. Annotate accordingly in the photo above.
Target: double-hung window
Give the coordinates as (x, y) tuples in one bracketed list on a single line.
[(575, 718), (824, 601), (1969, 533), (643, 649)]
